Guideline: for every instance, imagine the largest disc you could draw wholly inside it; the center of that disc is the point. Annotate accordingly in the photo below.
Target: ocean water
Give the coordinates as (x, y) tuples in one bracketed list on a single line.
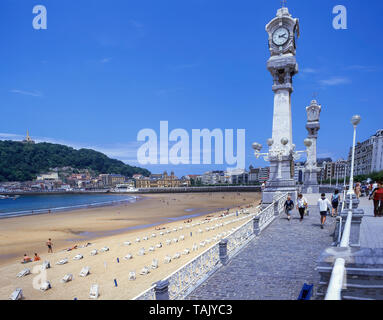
[(38, 204)]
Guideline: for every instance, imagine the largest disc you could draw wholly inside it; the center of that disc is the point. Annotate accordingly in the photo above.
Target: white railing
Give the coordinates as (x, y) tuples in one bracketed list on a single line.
[(184, 280)]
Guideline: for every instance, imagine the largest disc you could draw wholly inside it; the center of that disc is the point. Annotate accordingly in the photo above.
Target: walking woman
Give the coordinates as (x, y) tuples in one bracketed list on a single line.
[(377, 197), (301, 205), (357, 190), (289, 205), (335, 199)]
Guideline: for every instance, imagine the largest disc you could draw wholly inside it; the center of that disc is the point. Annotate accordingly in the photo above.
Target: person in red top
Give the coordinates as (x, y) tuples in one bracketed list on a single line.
[(377, 196)]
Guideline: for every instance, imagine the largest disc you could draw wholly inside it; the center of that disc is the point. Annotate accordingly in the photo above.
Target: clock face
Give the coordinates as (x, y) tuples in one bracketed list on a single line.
[(281, 36)]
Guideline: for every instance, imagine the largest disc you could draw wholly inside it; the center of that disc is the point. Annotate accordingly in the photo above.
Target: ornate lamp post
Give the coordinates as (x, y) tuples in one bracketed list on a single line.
[(355, 120)]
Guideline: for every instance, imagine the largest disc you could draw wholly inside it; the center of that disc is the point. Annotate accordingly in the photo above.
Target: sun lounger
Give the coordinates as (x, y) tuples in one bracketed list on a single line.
[(200, 231), (168, 242), (93, 252), (23, 273), (159, 245), (63, 261), (207, 229), (161, 233), (17, 294), (154, 264), (127, 243), (168, 259), (78, 257), (145, 238), (182, 238), (195, 247), (128, 257), (141, 252), (104, 249), (175, 240), (46, 265), (93, 293), (186, 252), (68, 277), (84, 271), (132, 275), (145, 271), (174, 229), (168, 231), (180, 228), (151, 249), (202, 244), (176, 256), (138, 240), (154, 235), (46, 285)]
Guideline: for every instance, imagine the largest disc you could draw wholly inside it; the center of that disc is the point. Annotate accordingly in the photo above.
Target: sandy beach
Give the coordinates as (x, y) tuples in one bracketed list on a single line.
[(112, 227)]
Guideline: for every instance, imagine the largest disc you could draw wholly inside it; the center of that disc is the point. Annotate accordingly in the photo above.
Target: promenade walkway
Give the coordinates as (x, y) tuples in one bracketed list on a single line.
[(371, 229), (275, 265)]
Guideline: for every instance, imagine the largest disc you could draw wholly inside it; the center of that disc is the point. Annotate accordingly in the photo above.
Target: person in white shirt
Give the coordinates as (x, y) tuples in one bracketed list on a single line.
[(301, 205), (324, 206)]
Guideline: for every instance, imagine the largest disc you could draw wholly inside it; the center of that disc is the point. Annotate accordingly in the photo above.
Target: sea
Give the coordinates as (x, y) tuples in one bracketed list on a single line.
[(40, 204)]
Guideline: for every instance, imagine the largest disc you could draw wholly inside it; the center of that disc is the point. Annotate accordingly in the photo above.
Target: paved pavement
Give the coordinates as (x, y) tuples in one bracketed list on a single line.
[(371, 235), (275, 265)]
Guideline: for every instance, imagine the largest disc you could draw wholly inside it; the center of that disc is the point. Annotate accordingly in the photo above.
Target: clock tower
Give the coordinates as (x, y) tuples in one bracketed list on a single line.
[(283, 31)]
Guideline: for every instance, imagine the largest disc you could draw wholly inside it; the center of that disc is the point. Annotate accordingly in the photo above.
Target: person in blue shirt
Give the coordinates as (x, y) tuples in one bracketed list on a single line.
[(289, 205)]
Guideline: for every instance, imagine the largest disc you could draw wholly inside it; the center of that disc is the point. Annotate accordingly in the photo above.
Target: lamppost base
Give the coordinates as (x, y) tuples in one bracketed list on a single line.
[(276, 188)]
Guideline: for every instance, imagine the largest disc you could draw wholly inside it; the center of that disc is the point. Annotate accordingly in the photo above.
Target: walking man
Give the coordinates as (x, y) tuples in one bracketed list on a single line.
[(289, 205), (324, 206), (301, 205), (50, 245)]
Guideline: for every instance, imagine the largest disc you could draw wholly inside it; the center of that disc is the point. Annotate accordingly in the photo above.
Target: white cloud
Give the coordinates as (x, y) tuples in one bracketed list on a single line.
[(334, 81), (27, 93)]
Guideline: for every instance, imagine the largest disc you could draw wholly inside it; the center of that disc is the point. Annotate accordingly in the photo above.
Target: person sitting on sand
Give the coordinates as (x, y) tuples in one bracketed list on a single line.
[(26, 259), (73, 248), (36, 258)]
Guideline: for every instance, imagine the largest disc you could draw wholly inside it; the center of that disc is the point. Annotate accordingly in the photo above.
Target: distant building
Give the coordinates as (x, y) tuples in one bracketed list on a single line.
[(264, 174), (111, 180), (161, 181), (254, 174), (368, 155), (52, 176), (28, 139), (239, 177)]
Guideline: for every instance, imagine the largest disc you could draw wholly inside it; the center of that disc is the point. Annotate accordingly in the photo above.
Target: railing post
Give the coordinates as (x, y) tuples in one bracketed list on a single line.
[(257, 229), (223, 251), (276, 206), (162, 290)]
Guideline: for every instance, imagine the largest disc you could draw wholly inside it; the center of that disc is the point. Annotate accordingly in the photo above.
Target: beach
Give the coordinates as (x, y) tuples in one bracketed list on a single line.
[(111, 227)]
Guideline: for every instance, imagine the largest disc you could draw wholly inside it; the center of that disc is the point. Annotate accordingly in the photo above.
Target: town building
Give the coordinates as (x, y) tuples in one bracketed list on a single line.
[(161, 181)]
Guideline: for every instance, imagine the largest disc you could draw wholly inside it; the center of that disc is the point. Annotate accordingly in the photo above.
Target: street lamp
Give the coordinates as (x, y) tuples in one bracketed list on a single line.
[(355, 120)]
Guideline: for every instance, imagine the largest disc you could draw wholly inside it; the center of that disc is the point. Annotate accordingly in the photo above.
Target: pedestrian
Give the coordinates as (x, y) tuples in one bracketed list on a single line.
[(335, 199), (50, 245), (324, 206), (357, 190), (289, 205), (377, 197), (301, 205)]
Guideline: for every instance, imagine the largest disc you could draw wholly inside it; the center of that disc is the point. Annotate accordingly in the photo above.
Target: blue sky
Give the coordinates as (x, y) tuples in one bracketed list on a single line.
[(103, 70)]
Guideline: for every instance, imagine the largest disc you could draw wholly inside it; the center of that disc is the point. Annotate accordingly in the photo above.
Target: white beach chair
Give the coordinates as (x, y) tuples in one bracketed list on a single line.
[(84, 271), (138, 240), (128, 257), (207, 229), (159, 245), (176, 256), (154, 264), (62, 261), (104, 249), (168, 231), (202, 244), (141, 252), (168, 259), (215, 238), (151, 249), (180, 228), (161, 233), (93, 293), (46, 265), (132, 275), (46, 285), (23, 273), (144, 271), (154, 235), (174, 229), (127, 243), (145, 238), (175, 240), (200, 231), (68, 277), (168, 242), (207, 240), (182, 238), (93, 252), (212, 228), (195, 247), (186, 252), (78, 257), (17, 294)]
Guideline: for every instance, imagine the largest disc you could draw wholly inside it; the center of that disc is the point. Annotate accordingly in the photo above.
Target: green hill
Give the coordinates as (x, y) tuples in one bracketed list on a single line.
[(23, 161)]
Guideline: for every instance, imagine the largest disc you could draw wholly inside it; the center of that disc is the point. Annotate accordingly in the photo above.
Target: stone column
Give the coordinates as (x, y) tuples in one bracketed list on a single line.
[(223, 251), (162, 290)]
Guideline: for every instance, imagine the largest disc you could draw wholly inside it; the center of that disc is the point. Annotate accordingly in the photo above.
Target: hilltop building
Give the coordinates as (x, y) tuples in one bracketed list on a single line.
[(28, 139)]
